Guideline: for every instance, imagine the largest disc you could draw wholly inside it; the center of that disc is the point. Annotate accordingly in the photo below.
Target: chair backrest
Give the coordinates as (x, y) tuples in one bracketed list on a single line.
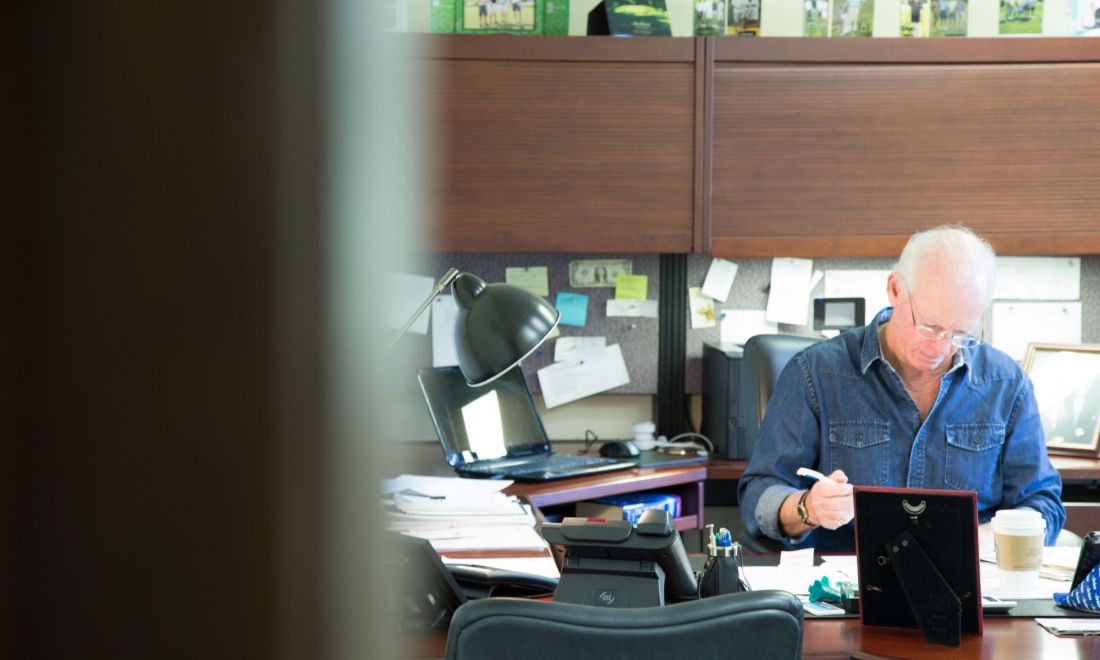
[(763, 360), (758, 624)]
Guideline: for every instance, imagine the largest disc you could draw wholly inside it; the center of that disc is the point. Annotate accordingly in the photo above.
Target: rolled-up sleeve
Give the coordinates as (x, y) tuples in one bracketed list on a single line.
[(789, 438), (1029, 480)]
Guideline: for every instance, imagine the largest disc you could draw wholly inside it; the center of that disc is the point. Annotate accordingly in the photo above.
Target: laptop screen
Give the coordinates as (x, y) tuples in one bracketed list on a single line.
[(482, 423)]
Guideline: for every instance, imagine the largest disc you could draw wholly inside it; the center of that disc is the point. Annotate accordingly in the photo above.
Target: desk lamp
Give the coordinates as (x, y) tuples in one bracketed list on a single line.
[(497, 326)]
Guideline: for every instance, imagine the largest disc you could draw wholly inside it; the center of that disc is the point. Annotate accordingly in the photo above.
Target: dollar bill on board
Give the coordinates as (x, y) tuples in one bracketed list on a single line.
[(586, 273)]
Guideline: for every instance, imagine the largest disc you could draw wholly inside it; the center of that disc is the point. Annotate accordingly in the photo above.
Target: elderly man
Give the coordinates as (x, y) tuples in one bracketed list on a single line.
[(913, 399)]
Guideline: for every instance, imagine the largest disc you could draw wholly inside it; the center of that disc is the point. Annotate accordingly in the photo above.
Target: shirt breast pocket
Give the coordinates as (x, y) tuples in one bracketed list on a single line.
[(862, 450), (973, 453)]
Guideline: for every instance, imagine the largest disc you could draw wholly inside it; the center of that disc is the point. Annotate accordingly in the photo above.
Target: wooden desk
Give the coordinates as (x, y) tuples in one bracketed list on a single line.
[(687, 482), (1080, 476), (1072, 468), (840, 638), (1003, 638)]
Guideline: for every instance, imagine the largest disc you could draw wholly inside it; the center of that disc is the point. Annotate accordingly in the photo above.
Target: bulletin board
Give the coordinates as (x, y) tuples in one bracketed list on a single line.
[(639, 337), (754, 275), (636, 336)]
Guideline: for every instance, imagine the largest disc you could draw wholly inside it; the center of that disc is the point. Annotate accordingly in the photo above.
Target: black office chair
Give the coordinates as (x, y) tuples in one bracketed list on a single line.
[(764, 358), (758, 624)]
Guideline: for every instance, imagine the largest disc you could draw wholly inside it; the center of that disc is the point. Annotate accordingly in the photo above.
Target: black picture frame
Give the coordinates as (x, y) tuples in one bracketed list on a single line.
[(944, 524)]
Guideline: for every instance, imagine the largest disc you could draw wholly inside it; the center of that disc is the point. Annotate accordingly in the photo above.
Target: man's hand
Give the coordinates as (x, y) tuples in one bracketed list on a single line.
[(830, 503)]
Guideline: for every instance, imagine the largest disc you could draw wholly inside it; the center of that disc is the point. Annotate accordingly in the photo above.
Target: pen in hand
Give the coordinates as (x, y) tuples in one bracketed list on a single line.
[(833, 506), (813, 474)]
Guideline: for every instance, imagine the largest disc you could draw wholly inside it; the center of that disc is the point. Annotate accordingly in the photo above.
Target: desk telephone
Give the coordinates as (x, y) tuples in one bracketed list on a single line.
[(424, 592), (485, 581)]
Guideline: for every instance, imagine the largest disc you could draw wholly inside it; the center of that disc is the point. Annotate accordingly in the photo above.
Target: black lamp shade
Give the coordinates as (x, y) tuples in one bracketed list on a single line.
[(497, 326)]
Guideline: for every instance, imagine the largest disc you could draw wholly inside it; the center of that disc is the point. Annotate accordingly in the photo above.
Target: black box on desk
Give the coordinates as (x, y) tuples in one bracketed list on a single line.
[(721, 385)]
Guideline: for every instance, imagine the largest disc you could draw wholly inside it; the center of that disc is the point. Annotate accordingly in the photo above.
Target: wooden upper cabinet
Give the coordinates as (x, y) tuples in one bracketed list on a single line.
[(563, 144), (845, 147)]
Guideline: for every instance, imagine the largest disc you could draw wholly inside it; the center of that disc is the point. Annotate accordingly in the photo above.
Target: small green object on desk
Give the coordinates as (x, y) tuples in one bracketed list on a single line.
[(822, 591)]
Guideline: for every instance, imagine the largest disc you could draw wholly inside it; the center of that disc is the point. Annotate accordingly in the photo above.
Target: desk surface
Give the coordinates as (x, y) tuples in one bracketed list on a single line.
[(631, 480), (840, 638), (1072, 468)]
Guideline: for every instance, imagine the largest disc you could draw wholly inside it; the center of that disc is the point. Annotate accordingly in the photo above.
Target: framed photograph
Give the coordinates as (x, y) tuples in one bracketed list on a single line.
[(499, 16), (1067, 388)]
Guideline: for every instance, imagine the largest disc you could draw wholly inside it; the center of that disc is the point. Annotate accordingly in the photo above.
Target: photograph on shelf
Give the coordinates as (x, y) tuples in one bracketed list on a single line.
[(710, 17), (743, 18), (949, 18), (637, 18), (1086, 17), (1066, 378), (499, 16), (1021, 17), (852, 18), (815, 18), (916, 18)]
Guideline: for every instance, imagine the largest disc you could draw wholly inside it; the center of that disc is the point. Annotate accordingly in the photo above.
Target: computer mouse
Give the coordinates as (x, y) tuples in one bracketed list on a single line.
[(619, 449)]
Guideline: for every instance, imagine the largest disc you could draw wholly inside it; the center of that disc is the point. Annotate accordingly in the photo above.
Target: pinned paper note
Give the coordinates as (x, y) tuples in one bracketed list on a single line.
[(719, 279), (702, 309), (531, 278), (563, 382), (1038, 278), (631, 287), (644, 308), (579, 348), (573, 308), (444, 311), (1015, 325), (738, 325), (404, 294), (789, 296), (867, 284)]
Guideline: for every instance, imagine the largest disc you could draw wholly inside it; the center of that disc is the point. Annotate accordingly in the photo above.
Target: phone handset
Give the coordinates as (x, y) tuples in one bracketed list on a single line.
[(485, 581)]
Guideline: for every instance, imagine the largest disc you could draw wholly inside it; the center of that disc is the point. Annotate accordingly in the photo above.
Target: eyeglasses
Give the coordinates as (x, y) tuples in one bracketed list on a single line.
[(936, 333)]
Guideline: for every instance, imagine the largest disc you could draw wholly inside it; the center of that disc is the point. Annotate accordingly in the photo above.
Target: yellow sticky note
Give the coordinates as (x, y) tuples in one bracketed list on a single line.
[(631, 287)]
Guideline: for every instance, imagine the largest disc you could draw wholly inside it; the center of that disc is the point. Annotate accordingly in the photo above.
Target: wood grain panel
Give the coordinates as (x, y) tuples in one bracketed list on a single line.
[(816, 160), (550, 156), (993, 50)]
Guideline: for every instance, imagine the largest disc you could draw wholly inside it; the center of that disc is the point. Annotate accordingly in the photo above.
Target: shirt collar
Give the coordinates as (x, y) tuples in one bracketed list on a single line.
[(872, 348)]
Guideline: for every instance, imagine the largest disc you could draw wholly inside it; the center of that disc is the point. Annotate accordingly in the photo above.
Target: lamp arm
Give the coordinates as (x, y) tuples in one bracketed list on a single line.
[(443, 283)]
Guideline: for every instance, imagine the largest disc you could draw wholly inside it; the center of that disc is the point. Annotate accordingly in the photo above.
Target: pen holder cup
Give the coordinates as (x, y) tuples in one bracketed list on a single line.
[(720, 576)]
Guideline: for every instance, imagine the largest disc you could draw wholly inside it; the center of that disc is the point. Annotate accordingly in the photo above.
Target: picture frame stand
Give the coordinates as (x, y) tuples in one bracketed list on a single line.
[(934, 604)]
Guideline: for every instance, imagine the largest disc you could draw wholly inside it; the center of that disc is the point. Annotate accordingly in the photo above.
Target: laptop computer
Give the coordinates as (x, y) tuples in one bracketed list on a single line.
[(495, 431)]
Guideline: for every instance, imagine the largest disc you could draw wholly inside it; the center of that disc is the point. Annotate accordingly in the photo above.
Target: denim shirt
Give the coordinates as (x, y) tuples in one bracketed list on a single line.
[(840, 405)]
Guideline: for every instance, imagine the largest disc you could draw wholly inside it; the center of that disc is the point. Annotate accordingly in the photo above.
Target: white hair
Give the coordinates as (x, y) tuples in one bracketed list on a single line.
[(951, 247)]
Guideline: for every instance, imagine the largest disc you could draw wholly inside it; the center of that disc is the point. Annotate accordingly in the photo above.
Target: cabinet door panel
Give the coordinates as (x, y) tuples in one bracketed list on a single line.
[(561, 156), (850, 159)]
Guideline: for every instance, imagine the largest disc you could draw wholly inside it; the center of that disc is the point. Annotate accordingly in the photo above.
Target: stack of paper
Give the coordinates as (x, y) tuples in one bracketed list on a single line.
[(460, 514), (1067, 626)]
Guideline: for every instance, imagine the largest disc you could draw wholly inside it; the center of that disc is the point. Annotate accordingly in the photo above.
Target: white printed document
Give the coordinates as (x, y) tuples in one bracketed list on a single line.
[(867, 284), (789, 296), (719, 279), (563, 382), (1017, 324), (1038, 278), (740, 324)]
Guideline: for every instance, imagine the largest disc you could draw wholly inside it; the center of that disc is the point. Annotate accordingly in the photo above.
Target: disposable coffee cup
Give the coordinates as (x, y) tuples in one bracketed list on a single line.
[(1018, 536)]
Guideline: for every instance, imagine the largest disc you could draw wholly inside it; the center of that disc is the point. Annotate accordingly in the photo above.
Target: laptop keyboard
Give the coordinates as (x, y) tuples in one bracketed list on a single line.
[(551, 463)]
